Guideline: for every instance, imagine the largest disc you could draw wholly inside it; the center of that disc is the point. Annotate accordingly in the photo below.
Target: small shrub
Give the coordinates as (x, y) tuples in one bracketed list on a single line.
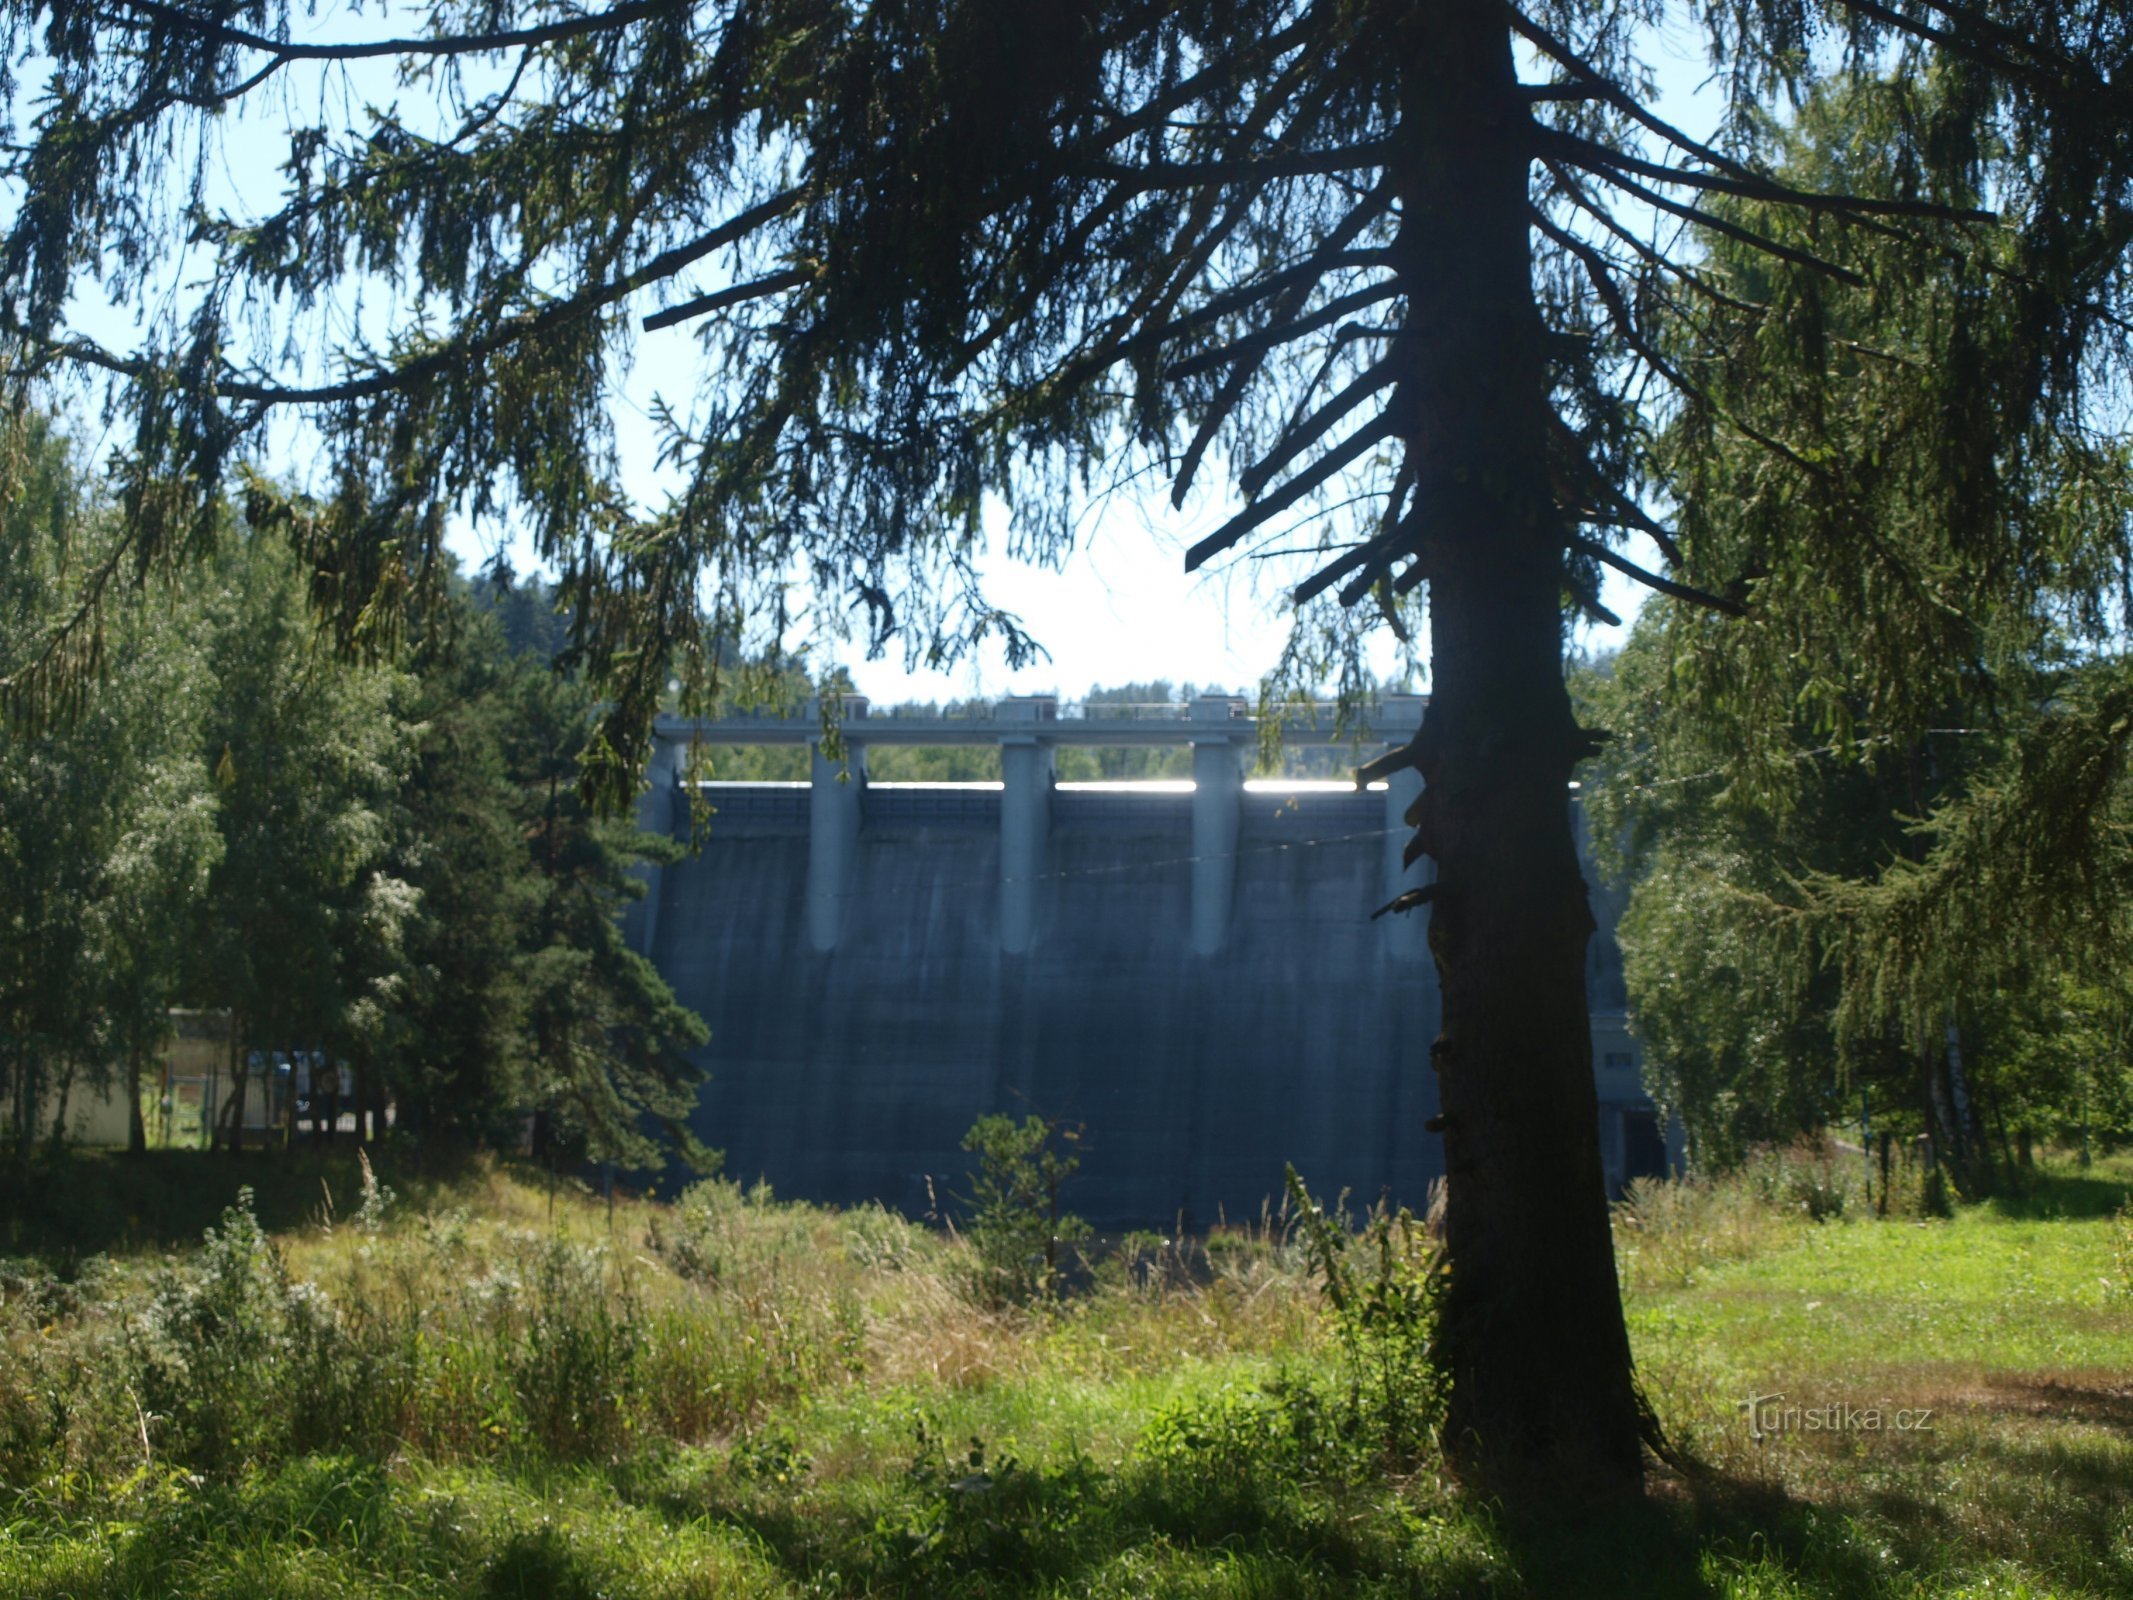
[(1384, 1313), (1290, 1429), (772, 1456), (1818, 1192), (209, 1348), (1016, 1227), (718, 1230)]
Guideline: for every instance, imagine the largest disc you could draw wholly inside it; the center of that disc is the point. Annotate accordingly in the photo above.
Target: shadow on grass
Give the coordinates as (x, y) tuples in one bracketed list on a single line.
[(2056, 1196), (59, 1208), (1075, 1527)]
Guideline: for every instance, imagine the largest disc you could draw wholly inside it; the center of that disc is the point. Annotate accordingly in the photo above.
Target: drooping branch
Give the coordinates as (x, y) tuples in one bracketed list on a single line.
[(1327, 576), (1955, 44), (1606, 89), (1625, 324), (1732, 230), (1231, 68), (1604, 215), (1600, 160), (1621, 510), (1314, 427), (738, 294), (418, 368), (1266, 339), (1653, 580), (1395, 533), (1364, 438), (181, 20), (1261, 288), (1239, 378)]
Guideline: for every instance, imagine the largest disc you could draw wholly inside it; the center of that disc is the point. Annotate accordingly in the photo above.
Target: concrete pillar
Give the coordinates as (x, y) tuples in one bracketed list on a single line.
[(833, 807), (1025, 819), (1217, 812), (661, 808)]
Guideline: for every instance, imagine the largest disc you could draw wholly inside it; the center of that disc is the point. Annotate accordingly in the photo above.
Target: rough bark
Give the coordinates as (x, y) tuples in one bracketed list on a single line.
[(1533, 1339)]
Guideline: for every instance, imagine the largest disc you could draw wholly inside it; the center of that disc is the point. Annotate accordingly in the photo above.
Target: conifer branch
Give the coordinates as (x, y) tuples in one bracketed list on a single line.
[(1364, 438), (1385, 542), (1653, 580), (1306, 275), (1606, 89), (454, 353), (1314, 427), (1625, 324), (1602, 161), (284, 50), (1732, 230), (718, 300), (1248, 294), (1579, 196), (1270, 338)]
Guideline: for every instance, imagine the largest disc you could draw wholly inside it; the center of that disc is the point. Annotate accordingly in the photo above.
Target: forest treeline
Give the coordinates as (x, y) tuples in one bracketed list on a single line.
[(384, 857)]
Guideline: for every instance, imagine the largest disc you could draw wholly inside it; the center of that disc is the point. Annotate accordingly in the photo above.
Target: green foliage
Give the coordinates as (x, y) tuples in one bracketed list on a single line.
[(108, 818), (1893, 801), (386, 860), (1122, 1449), (300, 933), (576, 1365), (1020, 1233), (1385, 1316), (606, 1042), (231, 1360)]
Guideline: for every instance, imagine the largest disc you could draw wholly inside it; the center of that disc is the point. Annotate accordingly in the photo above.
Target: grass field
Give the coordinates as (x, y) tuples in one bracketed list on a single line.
[(471, 1386)]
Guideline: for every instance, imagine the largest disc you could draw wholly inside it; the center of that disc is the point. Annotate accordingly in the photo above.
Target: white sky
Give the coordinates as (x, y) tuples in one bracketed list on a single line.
[(1121, 610)]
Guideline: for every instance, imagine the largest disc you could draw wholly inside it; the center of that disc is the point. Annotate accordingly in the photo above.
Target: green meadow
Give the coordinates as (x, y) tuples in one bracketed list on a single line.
[(475, 1382)]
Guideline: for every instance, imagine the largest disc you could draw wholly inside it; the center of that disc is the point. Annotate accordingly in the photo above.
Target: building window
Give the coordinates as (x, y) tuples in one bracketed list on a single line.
[(1618, 1061)]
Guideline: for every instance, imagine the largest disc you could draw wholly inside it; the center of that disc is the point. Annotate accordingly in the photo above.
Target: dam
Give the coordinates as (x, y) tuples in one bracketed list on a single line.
[(1185, 973)]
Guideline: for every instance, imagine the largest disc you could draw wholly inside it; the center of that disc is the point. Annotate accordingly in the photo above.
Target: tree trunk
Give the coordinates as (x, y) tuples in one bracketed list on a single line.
[(29, 1096), (1542, 1393), (59, 1111), (1955, 1150), (238, 1078), (136, 1128)]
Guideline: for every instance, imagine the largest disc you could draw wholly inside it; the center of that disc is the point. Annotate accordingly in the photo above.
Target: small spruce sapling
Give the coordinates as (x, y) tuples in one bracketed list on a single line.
[(1016, 1224)]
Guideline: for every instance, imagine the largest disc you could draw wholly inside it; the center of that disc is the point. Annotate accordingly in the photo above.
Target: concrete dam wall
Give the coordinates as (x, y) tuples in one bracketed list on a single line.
[(880, 965)]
